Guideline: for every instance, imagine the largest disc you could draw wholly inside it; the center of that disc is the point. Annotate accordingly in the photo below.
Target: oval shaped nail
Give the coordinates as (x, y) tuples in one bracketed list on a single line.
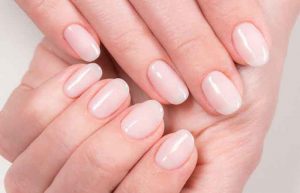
[(143, 120), (109, 98), (167, 83), (176, 150), (82, 42), (82, 79), (221, 93), (251, 44)]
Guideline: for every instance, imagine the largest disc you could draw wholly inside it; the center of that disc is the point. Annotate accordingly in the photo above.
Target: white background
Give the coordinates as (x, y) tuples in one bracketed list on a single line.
[(279, 171)]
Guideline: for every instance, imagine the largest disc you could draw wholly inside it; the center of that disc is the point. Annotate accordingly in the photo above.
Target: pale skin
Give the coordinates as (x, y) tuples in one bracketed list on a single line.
[(141, 34), (228, 148), (107, 155)]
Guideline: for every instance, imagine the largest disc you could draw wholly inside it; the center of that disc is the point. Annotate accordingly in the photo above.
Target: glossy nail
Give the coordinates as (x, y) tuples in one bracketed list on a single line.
[(176, 150), (251, 44), (143, 120), (82, 42), (82, 79), (109, 98), (221, 93), (167, 83)]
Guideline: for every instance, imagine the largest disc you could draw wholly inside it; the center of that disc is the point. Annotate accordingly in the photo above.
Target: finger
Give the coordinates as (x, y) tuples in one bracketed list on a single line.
[(241, 26), (36, 167), (228, 156), (64, 25), (107, 157), (165, 168), (133, 46), (38, 74), (201, 59), (29, 110)]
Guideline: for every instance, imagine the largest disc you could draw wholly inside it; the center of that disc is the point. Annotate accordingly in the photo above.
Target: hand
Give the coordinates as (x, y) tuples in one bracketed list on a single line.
[(222, 166), (149, 39), (229, 148), (79, 135)]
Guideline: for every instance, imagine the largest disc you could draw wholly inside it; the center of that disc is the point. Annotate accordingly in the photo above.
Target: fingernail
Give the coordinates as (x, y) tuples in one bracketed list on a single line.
[(221, 93), (251, 44), (82, 42), (82, 80), (143, 119), (109, 98), (167, 83), (176, 150)]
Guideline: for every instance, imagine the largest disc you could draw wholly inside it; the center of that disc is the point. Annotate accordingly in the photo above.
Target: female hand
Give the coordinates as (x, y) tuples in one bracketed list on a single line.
[(70, 132), (151, 40), (229, 148)]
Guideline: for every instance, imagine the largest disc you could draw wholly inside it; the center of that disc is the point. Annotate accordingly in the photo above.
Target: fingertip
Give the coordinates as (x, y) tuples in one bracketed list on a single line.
[(82, 42), (251, 44), (82, 79), (175, 151)]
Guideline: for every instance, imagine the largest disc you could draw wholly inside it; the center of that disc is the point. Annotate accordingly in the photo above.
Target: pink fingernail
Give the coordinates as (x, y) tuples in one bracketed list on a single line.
[(251, 44), (221, 93), (82, 42), (143, 119), (109, 98), (82, 80), (176, 150), (167, 83)]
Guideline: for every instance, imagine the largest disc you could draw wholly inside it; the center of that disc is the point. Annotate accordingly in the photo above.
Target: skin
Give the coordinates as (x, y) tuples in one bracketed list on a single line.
[(138, 33), (221, 166), (91, 143)]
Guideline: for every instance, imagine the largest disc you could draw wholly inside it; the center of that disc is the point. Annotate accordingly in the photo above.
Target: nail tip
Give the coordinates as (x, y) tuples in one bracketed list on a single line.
[(123, 82), (157, 104), (187, 133), (261, 63), (180, 100), (231, 111), (96, 67), (90, 58)]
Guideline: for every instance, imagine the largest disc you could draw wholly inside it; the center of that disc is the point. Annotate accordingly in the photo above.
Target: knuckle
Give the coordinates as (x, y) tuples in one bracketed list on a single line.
[(188, 45), (129, 40), (34, 106), (37, 7)]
